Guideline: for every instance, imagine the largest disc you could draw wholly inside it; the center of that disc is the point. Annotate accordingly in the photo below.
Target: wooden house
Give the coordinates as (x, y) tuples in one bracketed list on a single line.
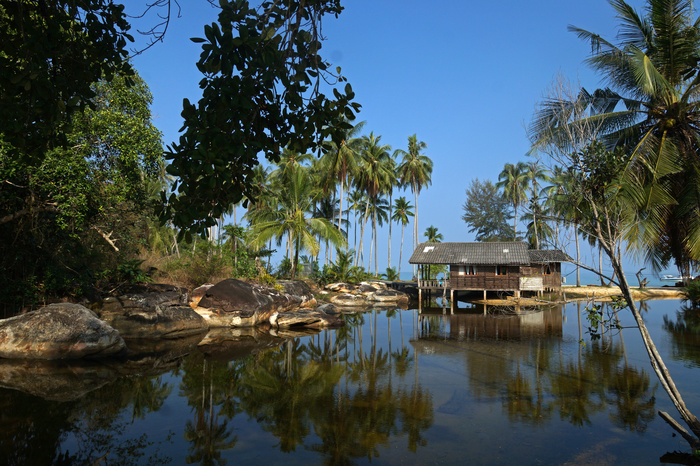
[(490, 266)]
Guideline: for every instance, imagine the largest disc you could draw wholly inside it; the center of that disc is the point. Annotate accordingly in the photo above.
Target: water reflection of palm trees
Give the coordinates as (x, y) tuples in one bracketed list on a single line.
[(520, 359), (337, 385)]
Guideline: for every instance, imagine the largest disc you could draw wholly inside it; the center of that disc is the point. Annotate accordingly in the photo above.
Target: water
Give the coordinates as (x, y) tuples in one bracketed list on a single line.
[(391, 387)]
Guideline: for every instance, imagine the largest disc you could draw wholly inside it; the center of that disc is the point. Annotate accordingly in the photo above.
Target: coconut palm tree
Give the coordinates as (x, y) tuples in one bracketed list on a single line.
[(432, 236), (652, 109), (402, 210), (340, 162), (374, 173), (514, 183), (292, 218), (415, 170)]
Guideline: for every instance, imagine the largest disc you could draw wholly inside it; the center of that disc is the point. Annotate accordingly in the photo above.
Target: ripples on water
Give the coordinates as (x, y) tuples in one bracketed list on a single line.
[(393, 386)]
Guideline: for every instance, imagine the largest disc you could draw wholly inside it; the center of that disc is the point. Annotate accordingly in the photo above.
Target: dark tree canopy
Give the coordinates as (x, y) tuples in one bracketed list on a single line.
[(487, 212), (261, 93), (51, 52)]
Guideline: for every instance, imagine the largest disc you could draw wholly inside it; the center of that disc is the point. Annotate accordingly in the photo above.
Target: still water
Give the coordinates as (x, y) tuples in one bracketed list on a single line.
[(392, 387)]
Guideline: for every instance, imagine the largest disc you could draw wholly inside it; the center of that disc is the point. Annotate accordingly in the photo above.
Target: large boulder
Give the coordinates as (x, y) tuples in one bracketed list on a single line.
[(387, 295), (151, 311), (58, 331), (349, 300), (234, 303)]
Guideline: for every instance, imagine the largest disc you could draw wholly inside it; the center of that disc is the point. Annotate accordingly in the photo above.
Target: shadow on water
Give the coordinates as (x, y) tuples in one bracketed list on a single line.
[(389, 384)]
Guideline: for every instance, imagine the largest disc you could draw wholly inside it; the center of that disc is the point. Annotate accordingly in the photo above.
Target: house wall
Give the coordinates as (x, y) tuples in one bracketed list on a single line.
[(485, 278)]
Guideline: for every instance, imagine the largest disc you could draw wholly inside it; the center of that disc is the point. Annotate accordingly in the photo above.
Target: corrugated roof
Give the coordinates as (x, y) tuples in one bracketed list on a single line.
[(549, 255), (489, 253)]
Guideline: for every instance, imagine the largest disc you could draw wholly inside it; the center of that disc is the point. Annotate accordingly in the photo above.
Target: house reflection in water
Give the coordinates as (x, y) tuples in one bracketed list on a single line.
[(483, 322)]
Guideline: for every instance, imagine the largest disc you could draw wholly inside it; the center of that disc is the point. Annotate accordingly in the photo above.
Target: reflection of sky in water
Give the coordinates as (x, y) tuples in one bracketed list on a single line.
[(500, 388)]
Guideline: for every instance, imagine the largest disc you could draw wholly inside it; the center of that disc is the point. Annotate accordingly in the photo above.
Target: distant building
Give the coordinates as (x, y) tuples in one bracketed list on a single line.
[(490, 266)]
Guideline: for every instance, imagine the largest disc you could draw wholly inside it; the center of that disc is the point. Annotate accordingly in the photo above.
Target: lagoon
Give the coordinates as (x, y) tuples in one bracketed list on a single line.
[(393, 386)]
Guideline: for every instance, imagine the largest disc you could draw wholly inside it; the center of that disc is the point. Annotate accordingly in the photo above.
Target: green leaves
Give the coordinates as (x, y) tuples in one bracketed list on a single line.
[(260, 93)]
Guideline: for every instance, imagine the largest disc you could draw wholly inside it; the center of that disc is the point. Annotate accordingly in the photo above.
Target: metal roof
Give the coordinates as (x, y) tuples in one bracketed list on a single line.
[(489, 253), (549, 255)]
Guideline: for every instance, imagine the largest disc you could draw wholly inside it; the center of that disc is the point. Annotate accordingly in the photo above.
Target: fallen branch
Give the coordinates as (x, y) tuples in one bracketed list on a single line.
[(107, 237)]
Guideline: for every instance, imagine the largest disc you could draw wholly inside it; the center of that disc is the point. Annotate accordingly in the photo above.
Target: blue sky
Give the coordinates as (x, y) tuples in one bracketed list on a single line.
[(464, 76)]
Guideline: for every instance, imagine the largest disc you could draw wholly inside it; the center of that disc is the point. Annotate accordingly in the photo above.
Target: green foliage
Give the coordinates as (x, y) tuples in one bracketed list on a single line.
[(80, 210), (391, 274), (129, 272), (487, 212), (51, 53), (602, 318), (691, 293), (260, 93)]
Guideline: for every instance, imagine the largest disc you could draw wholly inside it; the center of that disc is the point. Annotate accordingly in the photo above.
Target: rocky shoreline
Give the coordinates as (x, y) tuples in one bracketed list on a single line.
[(118, 325)]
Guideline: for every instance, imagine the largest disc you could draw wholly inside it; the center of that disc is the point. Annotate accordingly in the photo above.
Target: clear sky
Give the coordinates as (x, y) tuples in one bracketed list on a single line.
[(465, 76)]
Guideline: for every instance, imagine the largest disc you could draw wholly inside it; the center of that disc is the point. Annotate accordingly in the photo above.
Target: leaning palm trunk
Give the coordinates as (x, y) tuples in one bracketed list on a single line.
[(655, 358)]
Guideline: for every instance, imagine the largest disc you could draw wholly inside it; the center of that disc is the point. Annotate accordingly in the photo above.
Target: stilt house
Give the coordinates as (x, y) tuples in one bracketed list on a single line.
[(490, 266)]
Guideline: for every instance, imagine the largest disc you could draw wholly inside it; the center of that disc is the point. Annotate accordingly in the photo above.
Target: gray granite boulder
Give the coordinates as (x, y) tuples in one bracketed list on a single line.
[(306, 318), (151, 311), (234, 303), (58, 331)]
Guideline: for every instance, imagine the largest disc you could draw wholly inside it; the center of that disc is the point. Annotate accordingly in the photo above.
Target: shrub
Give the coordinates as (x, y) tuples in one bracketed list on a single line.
[(691, 293)]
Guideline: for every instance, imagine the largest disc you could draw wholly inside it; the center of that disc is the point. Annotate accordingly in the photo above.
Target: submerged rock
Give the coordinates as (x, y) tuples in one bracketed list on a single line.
[(58, 331)]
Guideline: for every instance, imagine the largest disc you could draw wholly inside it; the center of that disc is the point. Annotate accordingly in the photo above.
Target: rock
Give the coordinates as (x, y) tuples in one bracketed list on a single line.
[(340, 287), (234, 303), (305, 318), (387, 296), (198, 293), (58, 331), (348, 299), (151, 311), (366, 289), (328, 308)]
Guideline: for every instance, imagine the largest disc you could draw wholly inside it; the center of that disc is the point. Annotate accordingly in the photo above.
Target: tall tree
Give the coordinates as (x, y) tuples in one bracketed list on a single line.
[(648, 191), (432, 236), (293, 219), (373, 174), (261, 92), (651, 108), (340, 162), (402, 210), (487, 212), (416, 171), (513, 181)]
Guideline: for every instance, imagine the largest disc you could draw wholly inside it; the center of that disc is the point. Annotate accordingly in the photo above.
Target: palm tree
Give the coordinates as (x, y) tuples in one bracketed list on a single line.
[(513, 182), (291, 218), (374, 173), (432, 235), (652, 109), (402, 210), (415, 170), (340, 162), (534, 173)]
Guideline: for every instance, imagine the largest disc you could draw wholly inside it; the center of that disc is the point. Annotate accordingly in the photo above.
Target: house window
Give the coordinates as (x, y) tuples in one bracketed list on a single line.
[(501, 270), (471, 270), (547, 269), (460, 270)]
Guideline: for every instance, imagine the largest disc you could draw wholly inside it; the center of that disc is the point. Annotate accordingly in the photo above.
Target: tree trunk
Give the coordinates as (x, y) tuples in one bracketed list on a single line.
[(362, 232), (578, 257), (401, 252)]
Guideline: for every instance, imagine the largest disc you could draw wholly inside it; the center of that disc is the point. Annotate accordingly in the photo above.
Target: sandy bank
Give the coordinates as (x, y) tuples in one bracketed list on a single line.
[(602, 292)]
